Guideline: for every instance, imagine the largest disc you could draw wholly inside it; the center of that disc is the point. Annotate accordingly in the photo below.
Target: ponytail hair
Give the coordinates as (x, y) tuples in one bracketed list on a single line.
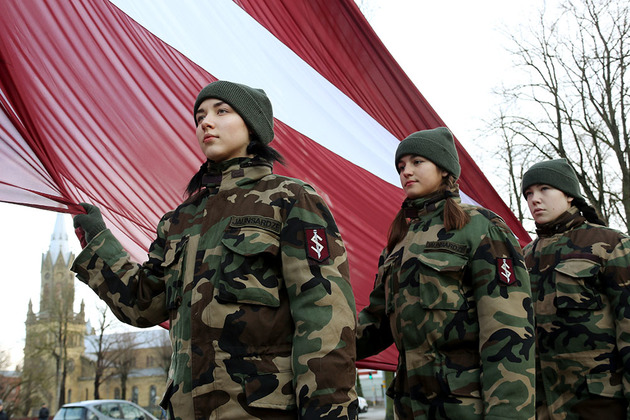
[(397, 230), (195, 182), (264, 151), (589, 212), (454, 216)]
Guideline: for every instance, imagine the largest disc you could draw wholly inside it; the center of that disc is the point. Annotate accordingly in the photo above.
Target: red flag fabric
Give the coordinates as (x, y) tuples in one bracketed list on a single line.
[(97, 103)]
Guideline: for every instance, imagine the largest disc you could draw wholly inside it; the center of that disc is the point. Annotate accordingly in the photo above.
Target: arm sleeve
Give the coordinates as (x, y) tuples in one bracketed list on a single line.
[(315, 270), (506, 326), (616, 275), (134, 292), (373, 331)]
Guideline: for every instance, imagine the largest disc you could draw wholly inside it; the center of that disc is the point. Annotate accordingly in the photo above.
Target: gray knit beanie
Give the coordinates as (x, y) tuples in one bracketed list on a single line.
[(252, 105), (437, 145), (556, 173)]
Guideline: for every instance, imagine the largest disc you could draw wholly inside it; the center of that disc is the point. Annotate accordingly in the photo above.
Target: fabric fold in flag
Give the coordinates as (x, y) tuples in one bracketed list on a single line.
[(97, 101)]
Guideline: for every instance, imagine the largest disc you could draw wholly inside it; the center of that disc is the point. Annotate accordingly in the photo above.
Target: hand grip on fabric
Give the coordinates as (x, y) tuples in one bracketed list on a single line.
[(81, 235), (89, 224)]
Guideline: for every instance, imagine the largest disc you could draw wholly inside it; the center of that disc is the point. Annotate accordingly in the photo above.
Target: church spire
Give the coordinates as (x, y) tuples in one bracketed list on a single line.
[(57, 279), (59, 240)]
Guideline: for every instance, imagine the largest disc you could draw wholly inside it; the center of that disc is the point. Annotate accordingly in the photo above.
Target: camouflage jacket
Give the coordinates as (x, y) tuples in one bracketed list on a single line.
[(457, 304), (252, 274), (580, 275)]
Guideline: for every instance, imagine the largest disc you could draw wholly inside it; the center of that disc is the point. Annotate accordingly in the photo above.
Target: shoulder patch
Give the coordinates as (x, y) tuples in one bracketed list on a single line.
[(265, 223), (316, 244), (505, 270)]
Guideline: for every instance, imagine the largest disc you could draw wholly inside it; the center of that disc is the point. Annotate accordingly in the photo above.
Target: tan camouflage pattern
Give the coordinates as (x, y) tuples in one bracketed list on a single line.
[(465, 338), (259, 329), (580, 275)]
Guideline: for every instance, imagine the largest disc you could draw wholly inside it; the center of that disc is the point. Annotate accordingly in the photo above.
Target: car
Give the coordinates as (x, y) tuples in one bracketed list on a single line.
[(102, 410), (363, 405)]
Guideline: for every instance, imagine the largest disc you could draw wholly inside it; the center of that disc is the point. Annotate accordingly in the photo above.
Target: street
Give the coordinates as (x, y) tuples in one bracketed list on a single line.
[(373, 413)]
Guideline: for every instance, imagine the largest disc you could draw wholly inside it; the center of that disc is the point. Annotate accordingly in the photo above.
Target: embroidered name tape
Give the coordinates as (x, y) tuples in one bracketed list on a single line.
[(266, 223), (446, 246)]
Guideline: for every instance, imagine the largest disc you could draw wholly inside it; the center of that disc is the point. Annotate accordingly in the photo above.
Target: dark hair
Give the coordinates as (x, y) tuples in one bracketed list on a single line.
[(264, 151), (589, 212), (454, 216), (255, 147)]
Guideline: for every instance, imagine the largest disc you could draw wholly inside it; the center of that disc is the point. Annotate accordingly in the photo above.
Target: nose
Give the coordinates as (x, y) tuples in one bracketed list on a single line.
[(407, 172), (534, 197), (206, 122)]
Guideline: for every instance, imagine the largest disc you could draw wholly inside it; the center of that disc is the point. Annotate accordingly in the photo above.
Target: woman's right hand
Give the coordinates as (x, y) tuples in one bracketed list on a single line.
[(89, 224)]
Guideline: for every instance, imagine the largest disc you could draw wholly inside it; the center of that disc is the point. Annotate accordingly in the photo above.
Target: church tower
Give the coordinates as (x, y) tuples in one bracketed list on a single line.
[(55, 335)]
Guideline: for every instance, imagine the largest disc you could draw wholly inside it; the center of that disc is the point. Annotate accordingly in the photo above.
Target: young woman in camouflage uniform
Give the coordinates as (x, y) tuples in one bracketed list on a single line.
[(250, 271), (580, 273), (453, 294)]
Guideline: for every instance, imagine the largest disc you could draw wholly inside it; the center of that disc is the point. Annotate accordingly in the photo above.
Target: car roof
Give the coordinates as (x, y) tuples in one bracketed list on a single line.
[(94, 402)]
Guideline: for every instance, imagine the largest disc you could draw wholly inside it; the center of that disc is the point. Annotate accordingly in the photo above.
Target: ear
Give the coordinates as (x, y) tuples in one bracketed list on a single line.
[(569, 199), (444, 174)]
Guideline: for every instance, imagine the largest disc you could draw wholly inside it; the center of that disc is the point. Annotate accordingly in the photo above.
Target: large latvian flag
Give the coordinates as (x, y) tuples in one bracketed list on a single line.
[(97, 96)]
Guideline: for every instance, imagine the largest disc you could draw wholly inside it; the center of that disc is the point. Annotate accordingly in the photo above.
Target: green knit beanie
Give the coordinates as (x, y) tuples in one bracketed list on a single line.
[(556, 173), (437, 145), (252, 105)]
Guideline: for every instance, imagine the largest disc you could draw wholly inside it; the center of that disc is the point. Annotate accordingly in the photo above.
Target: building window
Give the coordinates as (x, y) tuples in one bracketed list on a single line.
[(69, 400), (134, 394), (86, 394), (117, 393), (152, 396)]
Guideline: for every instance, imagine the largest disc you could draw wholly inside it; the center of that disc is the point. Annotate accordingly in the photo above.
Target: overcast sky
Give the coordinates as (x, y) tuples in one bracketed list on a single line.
[(453, 51)]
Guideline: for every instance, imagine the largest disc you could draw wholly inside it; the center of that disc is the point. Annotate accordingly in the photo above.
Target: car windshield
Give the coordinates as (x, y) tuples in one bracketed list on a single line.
[(110, 409), (71, 413), (132, 412)]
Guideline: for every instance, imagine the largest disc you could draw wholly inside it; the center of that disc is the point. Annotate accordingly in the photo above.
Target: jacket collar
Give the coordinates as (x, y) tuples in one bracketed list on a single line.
[(235, 173), (422, 206), (566, 221)]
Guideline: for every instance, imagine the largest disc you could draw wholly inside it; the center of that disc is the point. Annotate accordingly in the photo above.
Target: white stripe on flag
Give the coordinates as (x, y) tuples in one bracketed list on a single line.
[(228, 43)]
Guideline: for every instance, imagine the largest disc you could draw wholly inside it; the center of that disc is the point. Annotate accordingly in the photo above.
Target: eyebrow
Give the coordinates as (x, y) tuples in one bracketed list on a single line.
[(215, 105)]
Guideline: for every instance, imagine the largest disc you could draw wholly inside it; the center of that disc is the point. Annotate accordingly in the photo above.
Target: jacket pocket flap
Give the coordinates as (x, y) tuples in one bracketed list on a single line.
[(578, 268), (251, 241), (443, 261)]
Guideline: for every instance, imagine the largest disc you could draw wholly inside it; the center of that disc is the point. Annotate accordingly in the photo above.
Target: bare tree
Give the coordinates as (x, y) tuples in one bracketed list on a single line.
[(105, 351), (46, 361), (575, 102), (163, 353), (37, 377), (123, 358), (9, 384), (62, 316)]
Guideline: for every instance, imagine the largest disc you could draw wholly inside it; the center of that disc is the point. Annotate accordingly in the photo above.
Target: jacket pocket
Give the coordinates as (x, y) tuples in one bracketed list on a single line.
[(390, 278), (250, 267), (271, 390), (575, 282), (441, 278), (173, 266), (464, 383), (600, 384)]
